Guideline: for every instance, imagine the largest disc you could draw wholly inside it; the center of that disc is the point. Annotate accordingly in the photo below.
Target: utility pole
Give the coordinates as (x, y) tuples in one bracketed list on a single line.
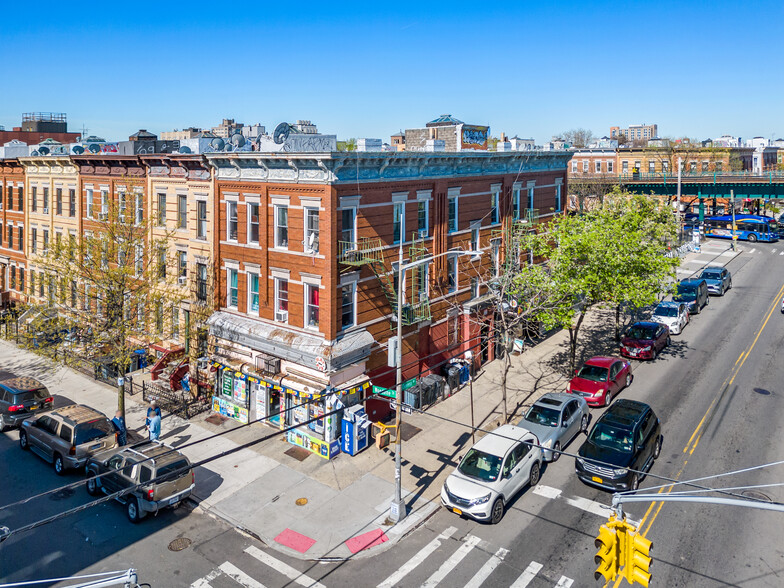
[(732, 204), (678, 201), (397, 510)]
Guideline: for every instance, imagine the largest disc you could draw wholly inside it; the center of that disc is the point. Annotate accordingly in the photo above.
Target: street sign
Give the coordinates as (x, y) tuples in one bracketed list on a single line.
[(406, 408)]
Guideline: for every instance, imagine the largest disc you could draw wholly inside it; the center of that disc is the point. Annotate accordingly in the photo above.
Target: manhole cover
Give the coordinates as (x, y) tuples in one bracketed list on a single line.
[(407, 431), (762, 391), (179, 544), (301, 501), (753, 494)]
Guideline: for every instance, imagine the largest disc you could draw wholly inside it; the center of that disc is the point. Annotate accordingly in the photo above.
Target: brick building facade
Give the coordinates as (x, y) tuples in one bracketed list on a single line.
[(13, 262)]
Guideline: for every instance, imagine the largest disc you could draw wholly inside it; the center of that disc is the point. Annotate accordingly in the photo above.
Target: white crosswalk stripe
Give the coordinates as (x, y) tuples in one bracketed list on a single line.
[(285, 569), (528, 574), (205, 581), (487, 569), (423, 554), (241, 577), (564, 582), (468, 544)]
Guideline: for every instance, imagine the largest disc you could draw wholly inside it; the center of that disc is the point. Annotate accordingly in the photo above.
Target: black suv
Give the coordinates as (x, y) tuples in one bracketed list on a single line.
[(627, 437)]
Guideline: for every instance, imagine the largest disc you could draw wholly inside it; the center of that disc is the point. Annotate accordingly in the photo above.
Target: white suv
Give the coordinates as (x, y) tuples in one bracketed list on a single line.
[(493, 471)]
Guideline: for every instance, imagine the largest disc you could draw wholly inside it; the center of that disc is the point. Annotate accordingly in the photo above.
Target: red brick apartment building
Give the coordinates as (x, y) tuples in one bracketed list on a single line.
[(307, 244), (12, 232)]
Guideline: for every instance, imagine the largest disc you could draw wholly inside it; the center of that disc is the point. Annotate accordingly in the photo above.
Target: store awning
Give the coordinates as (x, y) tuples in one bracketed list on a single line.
[(306, 349)]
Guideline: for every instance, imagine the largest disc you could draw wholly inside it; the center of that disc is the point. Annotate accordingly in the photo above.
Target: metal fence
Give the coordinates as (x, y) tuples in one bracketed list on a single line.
[(177, 402)]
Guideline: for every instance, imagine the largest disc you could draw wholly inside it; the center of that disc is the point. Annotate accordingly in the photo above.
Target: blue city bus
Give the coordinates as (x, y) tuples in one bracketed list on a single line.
[(749, 227)]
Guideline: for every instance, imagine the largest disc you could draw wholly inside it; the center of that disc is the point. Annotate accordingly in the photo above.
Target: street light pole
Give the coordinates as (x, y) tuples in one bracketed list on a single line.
[(678, 210), (732, 204)]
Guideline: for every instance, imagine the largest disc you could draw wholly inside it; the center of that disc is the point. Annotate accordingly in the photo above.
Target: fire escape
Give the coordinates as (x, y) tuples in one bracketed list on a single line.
[(369, 251)]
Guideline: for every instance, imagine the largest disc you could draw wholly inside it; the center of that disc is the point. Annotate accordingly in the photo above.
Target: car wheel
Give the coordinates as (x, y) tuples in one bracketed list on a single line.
[(23, 440), (669, 341), (92, 484), (607, 398), (657, 449), (654, 354), (133, 511), (533, 479), (729, 286), (721, 292), (498, 511), (635, 483), (556, 452), (584, 424), (59, 464), (2, 423)]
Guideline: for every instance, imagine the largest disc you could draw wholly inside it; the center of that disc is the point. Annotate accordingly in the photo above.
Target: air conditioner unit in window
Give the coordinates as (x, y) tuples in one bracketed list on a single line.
[(282, 316), (102, 216), (182, 280)]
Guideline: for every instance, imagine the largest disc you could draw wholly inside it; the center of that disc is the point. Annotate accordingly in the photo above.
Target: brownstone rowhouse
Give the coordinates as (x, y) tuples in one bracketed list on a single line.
[(307, 245), (12, 232)]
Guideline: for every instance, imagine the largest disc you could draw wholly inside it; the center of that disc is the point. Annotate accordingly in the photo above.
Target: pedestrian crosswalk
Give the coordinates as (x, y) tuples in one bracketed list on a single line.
[(453, 561)]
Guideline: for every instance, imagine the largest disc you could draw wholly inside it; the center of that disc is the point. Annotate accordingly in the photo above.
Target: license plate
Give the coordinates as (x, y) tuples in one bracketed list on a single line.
[(96, 446), (597, 480), (457, 511)]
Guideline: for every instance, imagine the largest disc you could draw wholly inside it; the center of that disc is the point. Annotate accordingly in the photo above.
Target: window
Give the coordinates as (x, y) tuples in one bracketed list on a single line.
[(34, 199), (253, 293), (281, 300), (41, 284), (231, 219), (451, 272), (73, 290), (139, 202), (496, 257), (399, 222), (637, 167), (123, 208), (311, 230), (1, 235), (598, 167), (348, 226), (609, 167), (495, 216), (452, 221), (574, 166), (33, 240), (311, 305), (651, 167), (516, 202), (348, 305), (692, 166), (10, 236), (718, 166), (71, 202), (585, 166), (625, 167), (281, 226), (175, 323), (59, 200), (705, 165), (46, 200), (161, 210), (422, 217), (161, 263), (159, 317), (475, 287), (21, 198), (530, 197), (46, 241), (233, 289), (105, 203), (1, 195), (13, 277), (89, 204), (182, 211), (475, 246), (21, 280), (201, 219), (139, 260), (19, 238), (201, 282), (182, 264)]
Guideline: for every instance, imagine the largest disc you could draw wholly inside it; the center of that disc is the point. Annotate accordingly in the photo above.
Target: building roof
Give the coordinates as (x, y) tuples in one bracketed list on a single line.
[(143, 134), (444, 120)]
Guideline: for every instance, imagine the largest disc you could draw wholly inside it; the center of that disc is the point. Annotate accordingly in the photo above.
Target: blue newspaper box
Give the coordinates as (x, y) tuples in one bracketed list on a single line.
[(354, 431)]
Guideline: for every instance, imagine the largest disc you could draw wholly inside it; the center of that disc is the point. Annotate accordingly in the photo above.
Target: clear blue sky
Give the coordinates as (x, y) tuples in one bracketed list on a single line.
[(368, 69)]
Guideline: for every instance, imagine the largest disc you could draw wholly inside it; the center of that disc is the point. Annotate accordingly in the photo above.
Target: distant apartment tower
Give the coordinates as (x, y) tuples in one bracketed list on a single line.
[(641, 132), (175, 135), (227, 128)]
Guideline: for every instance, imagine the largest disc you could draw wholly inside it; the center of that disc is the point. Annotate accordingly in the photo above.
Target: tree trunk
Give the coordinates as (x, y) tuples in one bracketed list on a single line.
[(573, 331), (121, 397), (617, 323)]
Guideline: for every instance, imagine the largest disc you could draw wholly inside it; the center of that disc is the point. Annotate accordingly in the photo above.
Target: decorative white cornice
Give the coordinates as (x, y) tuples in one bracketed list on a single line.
[(353, 167)]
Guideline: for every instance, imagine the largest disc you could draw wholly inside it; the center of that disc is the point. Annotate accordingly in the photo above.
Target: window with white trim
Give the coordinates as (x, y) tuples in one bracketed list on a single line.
[(585, 166), (516, 202), (253, 293), (311, 305), (162, 210), (253, 222), (348, 307), (399, 222), (452, 219), (475, 246), (231, 221), (139, 202), (105, 203), (495, 215), (281, 300), (233, 291), (89, 203), (311, 244), (348, 226), (558, 198), (423, 214), (182, 211), (451, 273), (609, 167), (201, 219), (281, 226), (598, 167)]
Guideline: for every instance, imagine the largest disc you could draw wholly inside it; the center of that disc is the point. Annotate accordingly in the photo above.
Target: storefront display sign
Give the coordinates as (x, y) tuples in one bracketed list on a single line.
[(240, 391), (325, 449), (227, 382), (229, 409)]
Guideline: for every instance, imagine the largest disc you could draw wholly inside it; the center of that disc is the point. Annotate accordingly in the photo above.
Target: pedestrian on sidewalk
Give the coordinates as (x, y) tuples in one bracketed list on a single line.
[(154, 426), (153, 409), (119, 425)]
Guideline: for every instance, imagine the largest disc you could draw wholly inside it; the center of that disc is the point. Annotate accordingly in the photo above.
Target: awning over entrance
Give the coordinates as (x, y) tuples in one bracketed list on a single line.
[(302, 348)]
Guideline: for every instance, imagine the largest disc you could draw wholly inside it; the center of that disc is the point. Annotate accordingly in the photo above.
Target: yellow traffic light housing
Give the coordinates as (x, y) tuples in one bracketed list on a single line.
[(608, 556), (637, 564)]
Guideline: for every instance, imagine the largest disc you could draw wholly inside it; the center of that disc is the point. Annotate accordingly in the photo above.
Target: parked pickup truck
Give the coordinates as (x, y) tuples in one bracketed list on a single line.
[(157, 475)]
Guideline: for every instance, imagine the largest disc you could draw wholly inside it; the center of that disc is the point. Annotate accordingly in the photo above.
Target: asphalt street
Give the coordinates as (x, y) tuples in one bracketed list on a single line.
[(716, 391)]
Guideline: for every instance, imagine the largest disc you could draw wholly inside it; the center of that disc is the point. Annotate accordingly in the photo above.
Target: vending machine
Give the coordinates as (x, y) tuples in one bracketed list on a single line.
[(354, 430)]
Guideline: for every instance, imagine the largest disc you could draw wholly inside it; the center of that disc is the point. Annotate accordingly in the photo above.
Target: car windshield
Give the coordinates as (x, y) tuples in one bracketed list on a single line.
[(640, 333), (593, 372), (666, 311), (711, 275), (95, 429), (480, 465), (687, 292), (175, 469), (39, 394), (605, 435), (541, 415)]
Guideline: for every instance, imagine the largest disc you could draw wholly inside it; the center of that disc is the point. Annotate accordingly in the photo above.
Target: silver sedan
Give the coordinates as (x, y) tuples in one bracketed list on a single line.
[(556, 419)]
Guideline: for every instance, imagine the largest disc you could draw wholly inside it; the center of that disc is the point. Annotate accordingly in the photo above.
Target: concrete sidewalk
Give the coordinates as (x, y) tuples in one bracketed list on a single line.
[(315, 509)]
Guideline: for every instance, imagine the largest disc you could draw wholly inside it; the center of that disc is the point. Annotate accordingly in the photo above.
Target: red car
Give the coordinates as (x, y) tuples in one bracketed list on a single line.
[(645, 340), (600, 379)]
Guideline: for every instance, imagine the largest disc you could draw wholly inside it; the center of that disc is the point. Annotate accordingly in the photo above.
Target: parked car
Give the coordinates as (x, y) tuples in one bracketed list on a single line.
[(718, 279), (68, 436), (621, 447), (21, 398), (600, 379), (160, 476), (694, 293), (645, 340), (556, 418), (493, 471), (673, 314)]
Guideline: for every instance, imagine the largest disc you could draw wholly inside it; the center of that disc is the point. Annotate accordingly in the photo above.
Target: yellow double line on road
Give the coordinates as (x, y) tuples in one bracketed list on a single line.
[(694, 440)]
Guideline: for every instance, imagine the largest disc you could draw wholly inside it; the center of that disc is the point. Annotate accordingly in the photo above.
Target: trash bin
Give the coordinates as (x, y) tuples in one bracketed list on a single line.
[(452, 373), (432, 388), (465, 373), (413, 396), (354, 430)]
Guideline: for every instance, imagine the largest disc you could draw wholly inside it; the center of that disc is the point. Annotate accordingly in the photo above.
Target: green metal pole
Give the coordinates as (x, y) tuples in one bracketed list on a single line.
[(702, 206)]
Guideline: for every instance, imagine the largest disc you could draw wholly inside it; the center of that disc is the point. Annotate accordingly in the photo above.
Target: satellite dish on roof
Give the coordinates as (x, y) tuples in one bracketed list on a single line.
[(218, 144), (237, 140), (43, 151), (93, 148), (78, 149), (185, 149), (34, 152), (281, 133)]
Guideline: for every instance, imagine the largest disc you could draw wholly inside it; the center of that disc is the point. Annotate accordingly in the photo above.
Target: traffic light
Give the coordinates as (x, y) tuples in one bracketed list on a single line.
[(638, 561), (608, 556)]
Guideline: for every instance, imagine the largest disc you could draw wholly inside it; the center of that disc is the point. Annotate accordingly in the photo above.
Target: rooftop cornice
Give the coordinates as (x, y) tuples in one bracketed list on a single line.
[(352, 167)]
